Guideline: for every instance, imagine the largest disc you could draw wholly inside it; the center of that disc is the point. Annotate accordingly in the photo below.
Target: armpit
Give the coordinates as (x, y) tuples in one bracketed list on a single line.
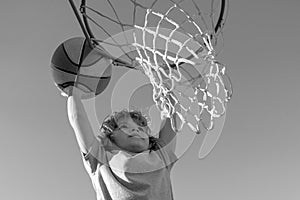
[(94, 157)]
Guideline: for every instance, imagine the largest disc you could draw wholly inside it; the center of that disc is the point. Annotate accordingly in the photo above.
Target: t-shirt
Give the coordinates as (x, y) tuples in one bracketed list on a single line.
[(119, 175)]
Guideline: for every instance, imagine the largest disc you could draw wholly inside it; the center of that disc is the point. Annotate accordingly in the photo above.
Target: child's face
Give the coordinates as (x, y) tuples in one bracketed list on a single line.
[(130, 136)]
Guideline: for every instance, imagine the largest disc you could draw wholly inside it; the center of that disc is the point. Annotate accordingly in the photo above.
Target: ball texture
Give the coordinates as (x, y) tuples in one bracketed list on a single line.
[(76, 61)]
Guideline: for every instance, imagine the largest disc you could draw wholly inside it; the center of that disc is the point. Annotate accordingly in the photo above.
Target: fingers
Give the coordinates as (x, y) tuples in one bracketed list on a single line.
[(64, 94), (81, 92), (77, 92)]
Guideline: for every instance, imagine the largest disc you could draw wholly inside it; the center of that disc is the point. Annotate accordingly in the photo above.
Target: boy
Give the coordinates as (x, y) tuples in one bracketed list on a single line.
[(123, 161)]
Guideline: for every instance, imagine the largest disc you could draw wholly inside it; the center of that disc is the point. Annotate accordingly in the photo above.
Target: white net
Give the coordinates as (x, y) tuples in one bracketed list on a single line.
[(174, 44)]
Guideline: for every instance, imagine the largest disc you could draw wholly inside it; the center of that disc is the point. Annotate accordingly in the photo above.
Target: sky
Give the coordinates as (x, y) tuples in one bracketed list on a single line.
[(256, 157)]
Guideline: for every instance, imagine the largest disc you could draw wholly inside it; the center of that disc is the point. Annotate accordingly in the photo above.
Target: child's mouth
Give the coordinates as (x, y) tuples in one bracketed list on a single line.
[(136, 136)]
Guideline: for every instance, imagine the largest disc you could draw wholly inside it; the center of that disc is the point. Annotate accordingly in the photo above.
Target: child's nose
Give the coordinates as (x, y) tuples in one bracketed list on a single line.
[(136, 129)]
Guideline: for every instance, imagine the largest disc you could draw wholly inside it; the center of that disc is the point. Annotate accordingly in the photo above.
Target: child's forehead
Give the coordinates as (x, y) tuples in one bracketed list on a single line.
[(124, 119), (131, 118)]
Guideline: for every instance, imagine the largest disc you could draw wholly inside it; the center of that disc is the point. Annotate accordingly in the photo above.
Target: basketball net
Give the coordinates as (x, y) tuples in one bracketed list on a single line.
[(189, 84)]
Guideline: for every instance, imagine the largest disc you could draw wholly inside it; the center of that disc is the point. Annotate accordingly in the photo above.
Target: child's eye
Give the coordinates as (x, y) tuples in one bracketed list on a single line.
[(123, 126), (140, 120)]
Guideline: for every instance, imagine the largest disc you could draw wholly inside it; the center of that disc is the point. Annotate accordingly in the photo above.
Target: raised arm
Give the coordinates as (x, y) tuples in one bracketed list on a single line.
[(79, 121), (77, 116), (167, 135)]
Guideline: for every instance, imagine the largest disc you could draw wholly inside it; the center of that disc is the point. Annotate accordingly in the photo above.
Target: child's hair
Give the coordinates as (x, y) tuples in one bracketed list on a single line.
[(111, 123)]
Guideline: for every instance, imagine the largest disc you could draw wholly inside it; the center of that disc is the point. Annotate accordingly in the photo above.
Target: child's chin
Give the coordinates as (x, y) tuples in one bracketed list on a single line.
[(137, 148)]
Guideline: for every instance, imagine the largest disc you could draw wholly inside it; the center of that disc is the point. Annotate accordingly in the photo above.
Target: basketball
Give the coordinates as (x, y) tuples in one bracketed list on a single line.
[(76, 61)]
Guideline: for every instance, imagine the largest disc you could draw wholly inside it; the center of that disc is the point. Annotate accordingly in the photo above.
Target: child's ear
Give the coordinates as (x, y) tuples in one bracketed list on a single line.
[(111, 137)]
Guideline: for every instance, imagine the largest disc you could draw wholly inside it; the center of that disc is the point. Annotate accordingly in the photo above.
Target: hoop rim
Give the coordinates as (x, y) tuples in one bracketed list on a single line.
[(217, 29), (222, 17)]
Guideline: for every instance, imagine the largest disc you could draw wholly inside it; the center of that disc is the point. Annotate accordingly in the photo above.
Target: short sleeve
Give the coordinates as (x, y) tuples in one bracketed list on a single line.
[(95, 156)]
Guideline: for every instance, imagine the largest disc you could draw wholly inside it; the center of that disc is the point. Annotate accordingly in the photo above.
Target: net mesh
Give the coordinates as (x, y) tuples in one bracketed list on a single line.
[(175, 45)]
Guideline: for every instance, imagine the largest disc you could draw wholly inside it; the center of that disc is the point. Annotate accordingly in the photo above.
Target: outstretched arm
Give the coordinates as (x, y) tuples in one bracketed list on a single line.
[(167, 135), (79, 120)]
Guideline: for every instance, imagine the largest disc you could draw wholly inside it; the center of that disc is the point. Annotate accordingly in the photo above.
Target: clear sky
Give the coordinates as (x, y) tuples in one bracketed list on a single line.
[(257, 156)]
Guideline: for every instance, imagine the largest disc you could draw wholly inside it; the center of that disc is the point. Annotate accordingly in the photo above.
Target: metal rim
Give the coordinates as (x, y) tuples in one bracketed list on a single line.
[(222, 17), (85, 26), (217, 29)]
